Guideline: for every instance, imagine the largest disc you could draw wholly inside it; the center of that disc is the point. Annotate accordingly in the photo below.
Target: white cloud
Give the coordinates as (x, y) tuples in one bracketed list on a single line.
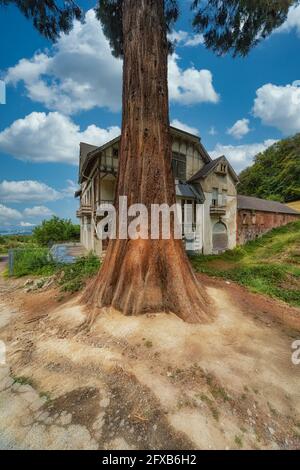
[(292, 22), (184, 127), (212, 131), (8, 215), (240, 156), (190, 86), (178, 36), (21, 191), (52, 137), (26, 224), (195, 40), (239, 129), (38, 211), (279, 106), (183, 38), (70, 190), (80, 73)]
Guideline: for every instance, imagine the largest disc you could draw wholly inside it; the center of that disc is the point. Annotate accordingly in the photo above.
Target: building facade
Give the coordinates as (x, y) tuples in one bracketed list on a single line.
[(198, 180), (223, 218), (258, 216)]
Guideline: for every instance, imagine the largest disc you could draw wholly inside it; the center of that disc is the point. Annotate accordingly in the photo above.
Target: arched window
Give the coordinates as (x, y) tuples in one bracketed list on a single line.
[(220, 237)]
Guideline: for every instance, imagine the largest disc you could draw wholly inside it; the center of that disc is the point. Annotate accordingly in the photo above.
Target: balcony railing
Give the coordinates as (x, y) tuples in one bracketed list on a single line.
[(216, 209), (84, 209)]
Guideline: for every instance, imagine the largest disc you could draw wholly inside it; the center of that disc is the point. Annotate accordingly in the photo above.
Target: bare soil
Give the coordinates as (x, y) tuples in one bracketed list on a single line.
[(148, 382)]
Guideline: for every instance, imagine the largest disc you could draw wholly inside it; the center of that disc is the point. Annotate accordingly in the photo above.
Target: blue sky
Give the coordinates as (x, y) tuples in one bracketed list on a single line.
[(59, 95)]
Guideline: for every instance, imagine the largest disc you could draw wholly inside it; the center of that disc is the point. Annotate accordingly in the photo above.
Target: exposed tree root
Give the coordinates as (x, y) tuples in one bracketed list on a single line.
[(146, 276)]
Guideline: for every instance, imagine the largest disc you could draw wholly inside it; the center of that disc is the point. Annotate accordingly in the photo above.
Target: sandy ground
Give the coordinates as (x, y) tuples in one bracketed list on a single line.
[(149, 382)]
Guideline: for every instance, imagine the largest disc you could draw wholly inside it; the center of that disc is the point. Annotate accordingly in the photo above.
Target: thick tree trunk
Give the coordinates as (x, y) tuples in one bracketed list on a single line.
[(140, 276)]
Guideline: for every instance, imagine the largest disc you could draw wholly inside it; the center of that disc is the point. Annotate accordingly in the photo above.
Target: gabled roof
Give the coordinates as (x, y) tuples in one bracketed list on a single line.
[(257, 204), (89, 152), (189, 191), (209, 167)]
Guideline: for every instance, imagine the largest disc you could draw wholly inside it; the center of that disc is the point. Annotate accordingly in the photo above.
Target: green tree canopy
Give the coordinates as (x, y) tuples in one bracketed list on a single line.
[(233, 26), (49, 16), (56, 230), (275, 173)]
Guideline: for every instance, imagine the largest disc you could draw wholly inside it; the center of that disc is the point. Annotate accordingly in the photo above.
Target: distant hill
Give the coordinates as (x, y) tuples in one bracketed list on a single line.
[(275, 173), (295, 205)]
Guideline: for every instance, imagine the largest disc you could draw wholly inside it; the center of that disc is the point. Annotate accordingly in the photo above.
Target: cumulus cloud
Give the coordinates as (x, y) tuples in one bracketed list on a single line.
[(190, 86), (195, 40), (37, 211), (178, 36), (183, 38), (80, 73), (292, 22), (26, 224), (8, 215), (28, 190), (184, 127), (279, 106), (239, 129), (52, 137), (241, 156)]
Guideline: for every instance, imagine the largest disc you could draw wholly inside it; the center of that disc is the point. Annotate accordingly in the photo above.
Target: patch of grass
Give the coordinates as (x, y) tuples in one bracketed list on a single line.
[(74, 276), (8, 242), (269, 265), (238, 441), (22, 380), (45, 395), (205, 399), (215, 413), (38, 262), (33, 261), (209, 402), (219, 392)]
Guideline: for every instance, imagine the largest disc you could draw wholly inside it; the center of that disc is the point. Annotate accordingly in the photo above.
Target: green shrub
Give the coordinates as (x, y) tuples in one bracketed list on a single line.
[(56, 230), (76, 275), (8, 242), (33, 261), (269, 265)]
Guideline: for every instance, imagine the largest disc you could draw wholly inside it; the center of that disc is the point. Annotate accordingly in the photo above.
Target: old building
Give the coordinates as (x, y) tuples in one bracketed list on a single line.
[(198, 179), (258, 216), (223, 218)]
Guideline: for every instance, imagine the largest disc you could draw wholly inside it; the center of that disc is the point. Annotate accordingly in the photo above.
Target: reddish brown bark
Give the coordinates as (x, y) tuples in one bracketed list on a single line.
[(146, 275)]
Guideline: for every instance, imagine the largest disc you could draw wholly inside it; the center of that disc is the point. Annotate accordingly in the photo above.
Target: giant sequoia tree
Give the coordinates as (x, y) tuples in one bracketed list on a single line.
[(141, 276)]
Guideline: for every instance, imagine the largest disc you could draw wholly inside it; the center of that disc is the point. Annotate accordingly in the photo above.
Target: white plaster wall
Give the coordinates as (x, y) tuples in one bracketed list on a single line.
[(230, 220), (207, 225)]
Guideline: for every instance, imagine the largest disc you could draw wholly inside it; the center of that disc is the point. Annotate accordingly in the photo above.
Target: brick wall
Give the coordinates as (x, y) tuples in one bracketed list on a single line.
[(252, 224)]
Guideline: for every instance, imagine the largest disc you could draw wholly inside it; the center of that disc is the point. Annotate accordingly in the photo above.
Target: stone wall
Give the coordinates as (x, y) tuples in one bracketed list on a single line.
[(252, 224)]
